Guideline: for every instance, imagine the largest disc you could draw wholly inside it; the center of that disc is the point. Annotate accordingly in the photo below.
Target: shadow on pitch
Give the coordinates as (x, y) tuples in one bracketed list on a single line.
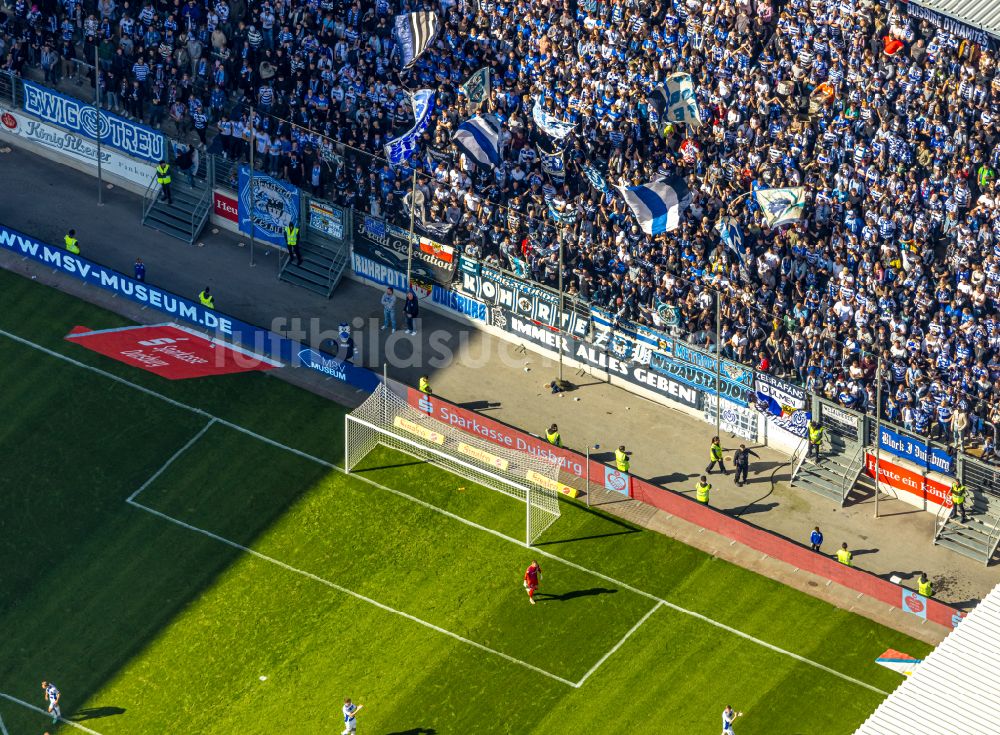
[(94, 713), (574, 594), (376, 468), (416, 731)]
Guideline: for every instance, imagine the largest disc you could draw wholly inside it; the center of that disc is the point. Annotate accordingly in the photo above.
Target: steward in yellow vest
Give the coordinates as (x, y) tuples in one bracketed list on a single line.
[(163, 179), (702, 490), (425, 385), (292, 242), (844, 556), (72, 244), (622, 459), (958, 499), (924, 586), (205, 297), (552, 436), (815, 438), (715, 457)]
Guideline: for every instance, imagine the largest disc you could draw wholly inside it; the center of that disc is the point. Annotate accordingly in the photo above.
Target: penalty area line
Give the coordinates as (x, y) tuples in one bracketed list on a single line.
[(41, 711), (619, 644), (352, 593), (473, 524), (190, 443)]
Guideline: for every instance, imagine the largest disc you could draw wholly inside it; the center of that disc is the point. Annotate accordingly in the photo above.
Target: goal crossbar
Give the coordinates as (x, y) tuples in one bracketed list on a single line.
[(385, 418)]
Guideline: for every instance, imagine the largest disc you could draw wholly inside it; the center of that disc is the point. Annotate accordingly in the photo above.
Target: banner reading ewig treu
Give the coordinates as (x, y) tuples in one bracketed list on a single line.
[(916, 488)]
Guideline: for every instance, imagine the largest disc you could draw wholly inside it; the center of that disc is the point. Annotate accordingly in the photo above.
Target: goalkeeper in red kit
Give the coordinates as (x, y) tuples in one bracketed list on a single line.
[(532, 576)]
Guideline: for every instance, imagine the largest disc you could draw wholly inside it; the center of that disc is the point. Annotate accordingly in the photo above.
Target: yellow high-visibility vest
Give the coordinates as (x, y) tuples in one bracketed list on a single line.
[(206, 300), (816, 435), (621, 460), (552, 437), (163, 174), (926, 588), (715, 453), (702, 490), (71, 244), (425, 386), (292, 235), (845, 557), (957, 493)]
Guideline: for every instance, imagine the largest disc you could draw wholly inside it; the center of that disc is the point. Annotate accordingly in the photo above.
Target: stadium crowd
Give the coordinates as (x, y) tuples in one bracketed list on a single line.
[(897, 256)]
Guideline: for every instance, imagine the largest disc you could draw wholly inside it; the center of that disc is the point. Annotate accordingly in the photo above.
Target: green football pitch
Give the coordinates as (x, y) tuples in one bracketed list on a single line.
[(188, 557)]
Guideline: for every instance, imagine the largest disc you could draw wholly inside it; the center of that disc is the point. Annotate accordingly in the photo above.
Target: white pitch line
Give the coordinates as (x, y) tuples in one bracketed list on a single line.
[(63, 720), (170, 461), (352, 593), (618, 645), (535, 549), (3, 727)]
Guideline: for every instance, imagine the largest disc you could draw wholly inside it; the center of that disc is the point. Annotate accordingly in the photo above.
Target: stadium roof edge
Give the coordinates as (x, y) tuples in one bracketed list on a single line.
[(980, 18), (956, 689)]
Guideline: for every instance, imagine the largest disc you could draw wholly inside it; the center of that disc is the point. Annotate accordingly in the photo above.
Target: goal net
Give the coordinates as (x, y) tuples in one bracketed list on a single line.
[(385, 418)]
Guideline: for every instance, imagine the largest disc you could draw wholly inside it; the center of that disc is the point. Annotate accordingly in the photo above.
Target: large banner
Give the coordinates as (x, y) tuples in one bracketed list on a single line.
[(523, 299), (698, 369), (382, 242), (75, 147), (268, 207), (907, 481), (116, 132), (783, 403), (326, 218), (915, 450)]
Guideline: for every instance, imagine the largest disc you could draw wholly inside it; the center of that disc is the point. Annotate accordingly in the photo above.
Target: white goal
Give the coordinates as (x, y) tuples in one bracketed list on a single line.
[(385, 418)]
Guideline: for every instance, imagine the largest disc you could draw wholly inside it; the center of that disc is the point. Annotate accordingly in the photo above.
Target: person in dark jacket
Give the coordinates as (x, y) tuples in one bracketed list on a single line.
[(411, 310), (742, 461)]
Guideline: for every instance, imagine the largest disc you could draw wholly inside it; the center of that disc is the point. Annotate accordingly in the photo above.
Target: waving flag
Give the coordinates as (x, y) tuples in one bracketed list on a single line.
[(595, 177), (479, 139), (398, 150), (553, 164), (781, 206), (477, 88), (562, 212), (416, 31), (658, 205), (550, 124), (731, 236)]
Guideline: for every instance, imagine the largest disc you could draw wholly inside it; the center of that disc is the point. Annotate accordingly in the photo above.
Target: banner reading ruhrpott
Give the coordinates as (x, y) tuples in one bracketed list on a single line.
[(385, 243)]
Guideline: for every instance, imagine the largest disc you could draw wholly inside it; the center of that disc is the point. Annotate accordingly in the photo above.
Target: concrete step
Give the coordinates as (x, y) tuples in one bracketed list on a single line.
[(958, 545), (293, 278)]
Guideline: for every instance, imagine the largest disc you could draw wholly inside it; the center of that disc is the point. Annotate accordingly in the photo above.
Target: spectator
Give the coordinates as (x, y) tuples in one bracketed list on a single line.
[(411, 310)]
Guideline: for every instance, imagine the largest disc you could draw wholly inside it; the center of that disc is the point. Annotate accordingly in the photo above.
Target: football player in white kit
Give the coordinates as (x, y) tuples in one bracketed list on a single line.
[(727, 720), (52, 697), (350, 713)]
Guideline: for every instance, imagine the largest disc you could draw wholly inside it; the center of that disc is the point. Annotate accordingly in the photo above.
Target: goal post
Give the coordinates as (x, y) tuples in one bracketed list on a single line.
[(385, 418)]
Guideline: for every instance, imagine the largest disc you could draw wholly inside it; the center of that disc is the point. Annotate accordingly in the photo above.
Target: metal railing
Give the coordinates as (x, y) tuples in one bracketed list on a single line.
[(201, 212), (799, 456), (994, 540), (149, 198), (851, 475), (940, 520)]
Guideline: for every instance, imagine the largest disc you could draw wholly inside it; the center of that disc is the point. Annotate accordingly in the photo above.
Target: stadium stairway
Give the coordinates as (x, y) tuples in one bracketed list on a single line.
[(976, 538), (186, 217), (836, 474), (321, 269)]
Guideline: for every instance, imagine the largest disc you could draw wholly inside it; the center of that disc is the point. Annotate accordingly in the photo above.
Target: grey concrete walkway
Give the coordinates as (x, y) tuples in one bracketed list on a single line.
[(465, 366)]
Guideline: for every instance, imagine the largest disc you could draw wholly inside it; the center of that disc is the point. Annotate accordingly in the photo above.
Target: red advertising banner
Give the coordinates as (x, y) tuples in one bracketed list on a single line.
[(900, 478), (225, 206), (170, 351)]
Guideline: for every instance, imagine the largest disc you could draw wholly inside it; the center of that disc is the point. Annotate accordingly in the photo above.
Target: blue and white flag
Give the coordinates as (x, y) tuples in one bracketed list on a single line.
[(562, 212), (731, 236), (415, 32), (519, 267), (595, 177), (477, 88), (550, 124), (553, 164), (781, 206), (398, 150), (479, 139), (658, 205)]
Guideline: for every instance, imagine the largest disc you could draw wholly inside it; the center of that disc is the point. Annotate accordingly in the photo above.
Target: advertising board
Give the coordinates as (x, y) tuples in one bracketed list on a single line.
[(915, 485), (75, 147), (170, 351), (78, 117)]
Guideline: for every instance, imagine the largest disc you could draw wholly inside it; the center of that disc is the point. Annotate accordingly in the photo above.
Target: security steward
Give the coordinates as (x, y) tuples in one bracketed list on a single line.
[(815, 438), (552, 436), (741, 459), (958, 499), (702, 490), (163, 179), (715, 457), (622, 460), (292, 242), (925, 588), (424, 385), (844, 556), (72, 244), (205, 297)]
